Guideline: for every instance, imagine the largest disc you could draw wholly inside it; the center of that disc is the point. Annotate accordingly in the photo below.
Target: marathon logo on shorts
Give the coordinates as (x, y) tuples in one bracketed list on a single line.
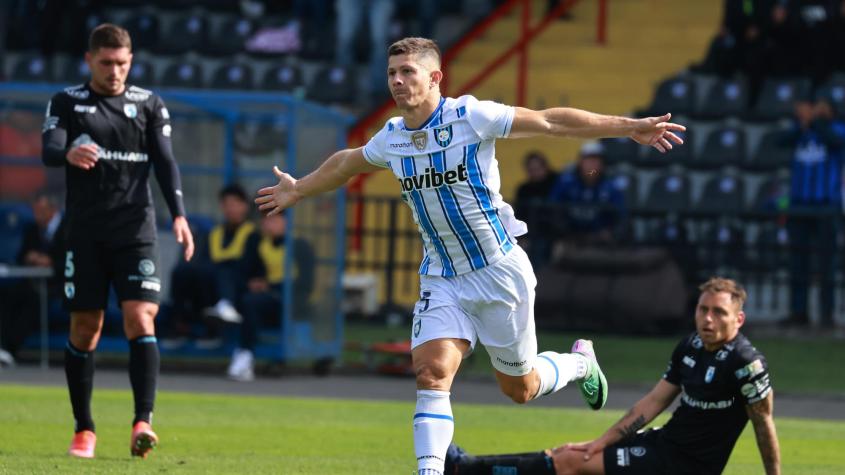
[(512, 364), (622, 457), (150, 285), (432, 178)]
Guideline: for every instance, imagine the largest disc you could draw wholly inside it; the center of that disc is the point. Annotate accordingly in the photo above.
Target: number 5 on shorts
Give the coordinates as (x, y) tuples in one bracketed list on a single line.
[(424, 300), (69, 268)]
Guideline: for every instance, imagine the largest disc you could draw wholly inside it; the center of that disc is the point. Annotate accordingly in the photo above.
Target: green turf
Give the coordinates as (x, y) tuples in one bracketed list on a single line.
[(797, 366), (229, 434)]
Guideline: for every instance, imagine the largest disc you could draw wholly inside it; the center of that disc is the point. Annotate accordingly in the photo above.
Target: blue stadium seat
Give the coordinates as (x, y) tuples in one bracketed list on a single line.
[(144, 28), (142, 74), (229, 38), (778, 96), (284, 77), (771, 153), (619, 150), (833, 91), (32, 68), (333, 85), (233, 76), (723, 146), (13, 218), (188, 32), (183, 74), (772, 195), (669, 193), (76, 72), (724, 195), (675, 95), (628, 185), (726, 97)]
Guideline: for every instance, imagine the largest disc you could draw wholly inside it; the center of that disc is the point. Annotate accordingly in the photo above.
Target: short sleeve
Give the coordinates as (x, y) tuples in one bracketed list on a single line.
[(673, 372), (752, 375), (489, 119), (374, 150)]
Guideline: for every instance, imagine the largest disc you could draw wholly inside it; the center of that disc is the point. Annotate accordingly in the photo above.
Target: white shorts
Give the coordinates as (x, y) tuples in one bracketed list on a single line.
[(494, 304)]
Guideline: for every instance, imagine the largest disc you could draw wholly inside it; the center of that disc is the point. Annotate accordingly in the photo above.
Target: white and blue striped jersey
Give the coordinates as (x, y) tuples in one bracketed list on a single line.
[(449, 176)]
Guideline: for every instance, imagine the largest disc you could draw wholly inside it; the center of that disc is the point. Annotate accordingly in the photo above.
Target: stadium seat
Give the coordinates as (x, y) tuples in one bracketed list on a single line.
[(722, 195), (144, 29), (778, 96), (142, 74), (669, 193), (619, 150), (286, 78), (724, 146), (772, 195), (726, 97), (679, 155), (627, 184), (13, 219), (333, 84), (675, 95), (182, 74), (771, 153), (187, 32), (229, 38), (772, 248), (723, 246), (233, 76), (76, 72), (32, 68), (833, 91)]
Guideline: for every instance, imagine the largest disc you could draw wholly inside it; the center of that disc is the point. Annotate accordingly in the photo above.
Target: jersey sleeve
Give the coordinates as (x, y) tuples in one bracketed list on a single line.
[(54, 131), (752, 375), (673, 372), (161, 152), (374, 150), (490, 120)]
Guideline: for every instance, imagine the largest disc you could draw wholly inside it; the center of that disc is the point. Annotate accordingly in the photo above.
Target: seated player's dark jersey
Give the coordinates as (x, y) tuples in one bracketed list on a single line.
[(716, 388), (112, 201)]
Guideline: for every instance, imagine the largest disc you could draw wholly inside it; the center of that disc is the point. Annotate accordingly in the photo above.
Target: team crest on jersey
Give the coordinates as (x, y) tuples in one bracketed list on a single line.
[(131, 110), (420, 140), (708, 376), (443, 136), (146, 267)]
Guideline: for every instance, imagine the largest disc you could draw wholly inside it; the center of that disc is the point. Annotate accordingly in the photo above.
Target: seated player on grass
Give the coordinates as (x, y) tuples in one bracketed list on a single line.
[(723, 382)]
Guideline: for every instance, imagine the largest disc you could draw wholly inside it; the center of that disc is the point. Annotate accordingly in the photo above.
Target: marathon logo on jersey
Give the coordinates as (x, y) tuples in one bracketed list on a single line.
[(707, 405), (85, 109), (432, 178), (443, 136), (131, 110), (512, 364)]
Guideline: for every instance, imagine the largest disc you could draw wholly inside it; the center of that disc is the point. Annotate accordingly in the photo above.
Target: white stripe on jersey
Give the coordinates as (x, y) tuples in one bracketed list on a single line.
[(449, 177)]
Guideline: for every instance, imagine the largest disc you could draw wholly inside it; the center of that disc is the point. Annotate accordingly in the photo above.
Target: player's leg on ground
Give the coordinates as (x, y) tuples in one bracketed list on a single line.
[(144, 360), (85, 328), (531, 463), (435, 362)]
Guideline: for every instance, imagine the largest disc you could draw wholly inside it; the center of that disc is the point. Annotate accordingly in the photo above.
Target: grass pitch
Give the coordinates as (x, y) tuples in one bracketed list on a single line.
[(237, 434)]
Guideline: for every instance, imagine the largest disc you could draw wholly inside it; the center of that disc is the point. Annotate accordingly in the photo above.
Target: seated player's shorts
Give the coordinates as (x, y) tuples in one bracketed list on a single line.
[(644, 454), (494, 304), (90, 267)]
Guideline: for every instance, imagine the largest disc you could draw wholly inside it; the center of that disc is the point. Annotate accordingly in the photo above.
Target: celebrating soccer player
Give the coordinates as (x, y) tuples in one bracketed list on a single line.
[(107, 134), (476, 283), (723, 381)]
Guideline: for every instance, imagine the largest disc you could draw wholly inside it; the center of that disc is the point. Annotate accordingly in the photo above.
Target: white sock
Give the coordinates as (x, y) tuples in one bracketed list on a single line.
[(558, 369), (433, 430)]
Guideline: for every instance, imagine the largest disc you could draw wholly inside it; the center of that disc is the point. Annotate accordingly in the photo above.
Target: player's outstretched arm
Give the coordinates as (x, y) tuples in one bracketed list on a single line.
[(657, 132), (643, 412), (761, 417), (332, 174)]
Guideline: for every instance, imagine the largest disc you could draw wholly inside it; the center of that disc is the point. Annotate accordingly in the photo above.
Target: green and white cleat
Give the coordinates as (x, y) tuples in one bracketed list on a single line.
[(594, 385)]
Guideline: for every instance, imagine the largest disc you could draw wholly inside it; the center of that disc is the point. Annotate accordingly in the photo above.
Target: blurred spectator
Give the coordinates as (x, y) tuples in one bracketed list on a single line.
[(350, 17), (42, 246), (531, 196), (815, 207), (741, 40), (265, 267), (594, 207), (211, 284)]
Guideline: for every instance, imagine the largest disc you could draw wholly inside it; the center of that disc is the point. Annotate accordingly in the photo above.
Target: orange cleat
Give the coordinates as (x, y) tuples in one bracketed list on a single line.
[(83, 444), (144, 439)]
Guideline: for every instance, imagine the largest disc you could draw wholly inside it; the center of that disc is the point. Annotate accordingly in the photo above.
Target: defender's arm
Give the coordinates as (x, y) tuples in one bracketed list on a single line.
[(760, 414)]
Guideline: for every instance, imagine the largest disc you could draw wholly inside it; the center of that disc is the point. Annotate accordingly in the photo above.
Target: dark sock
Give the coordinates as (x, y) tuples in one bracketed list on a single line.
[(143, 374), (533, 463), (79, 370)]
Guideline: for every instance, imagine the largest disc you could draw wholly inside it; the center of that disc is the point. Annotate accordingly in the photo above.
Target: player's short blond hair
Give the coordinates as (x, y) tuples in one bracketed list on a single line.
[(414, 45), (720, 284)]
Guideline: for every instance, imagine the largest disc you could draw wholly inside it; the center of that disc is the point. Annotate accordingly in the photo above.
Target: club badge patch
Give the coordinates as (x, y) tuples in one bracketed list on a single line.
[(443, 136), (131, 110), (420, 140), (708, 376), (146, 267), (417, 327), (70, 290)]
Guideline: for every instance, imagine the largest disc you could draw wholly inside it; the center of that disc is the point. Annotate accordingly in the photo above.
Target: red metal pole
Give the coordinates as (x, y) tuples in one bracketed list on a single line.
[(522, 72), (601, 26)]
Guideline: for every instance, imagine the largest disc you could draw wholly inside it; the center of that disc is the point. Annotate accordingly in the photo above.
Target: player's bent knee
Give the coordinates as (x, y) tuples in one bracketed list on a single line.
[(432, 376)]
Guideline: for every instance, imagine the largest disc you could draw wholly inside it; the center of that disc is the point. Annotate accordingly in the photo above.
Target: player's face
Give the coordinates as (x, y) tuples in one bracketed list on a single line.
[(109, 68), (410, 81), (717, 319), (234, 209), (273, 226)]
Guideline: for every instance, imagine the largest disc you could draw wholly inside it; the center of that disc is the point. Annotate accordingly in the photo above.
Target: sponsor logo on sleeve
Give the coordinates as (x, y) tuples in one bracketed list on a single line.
[(85, 109), (166, 130), (164, 113), (750, 370)]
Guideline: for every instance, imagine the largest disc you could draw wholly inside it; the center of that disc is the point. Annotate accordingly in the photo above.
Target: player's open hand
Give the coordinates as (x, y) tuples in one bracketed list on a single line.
[(275, 199), (184, 236), (588, 448), (657, 132), (83, 156)]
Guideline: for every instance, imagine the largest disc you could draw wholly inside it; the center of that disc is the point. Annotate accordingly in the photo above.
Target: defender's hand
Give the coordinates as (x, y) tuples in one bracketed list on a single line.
[(83, 156), (588, 448), (657, 132), (275, 199), (184, 236)]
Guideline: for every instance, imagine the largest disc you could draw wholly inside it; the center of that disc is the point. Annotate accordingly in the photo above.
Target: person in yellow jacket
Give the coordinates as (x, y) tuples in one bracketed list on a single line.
[(267, 270)]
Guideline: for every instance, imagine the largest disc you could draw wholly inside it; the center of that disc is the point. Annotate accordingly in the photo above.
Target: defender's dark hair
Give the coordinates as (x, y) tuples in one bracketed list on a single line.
[(233, 190), (415, 45), (107, 35)]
